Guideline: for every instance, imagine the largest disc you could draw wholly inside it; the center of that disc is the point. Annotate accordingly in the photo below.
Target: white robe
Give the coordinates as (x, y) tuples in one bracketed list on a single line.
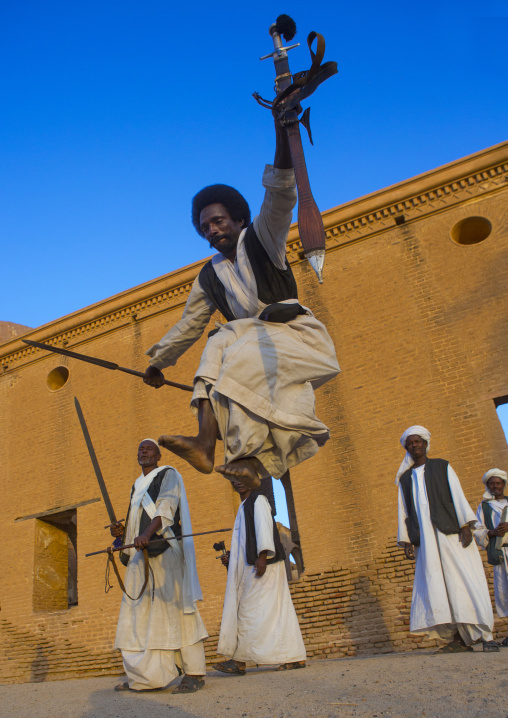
[(501, 570), (149, 632), (262, 374), (259, 622), (450, 590)]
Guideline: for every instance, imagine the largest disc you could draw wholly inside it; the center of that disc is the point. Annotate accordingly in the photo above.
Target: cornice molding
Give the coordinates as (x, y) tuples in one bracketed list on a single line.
[(457, 183), (441, 189)]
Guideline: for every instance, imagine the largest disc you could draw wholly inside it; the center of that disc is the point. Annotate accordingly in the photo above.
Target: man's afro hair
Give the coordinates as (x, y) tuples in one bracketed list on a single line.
[(233, 201)]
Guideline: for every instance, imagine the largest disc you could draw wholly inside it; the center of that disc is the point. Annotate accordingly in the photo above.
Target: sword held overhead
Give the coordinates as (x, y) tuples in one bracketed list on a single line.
[(99, 362), (291, 89)]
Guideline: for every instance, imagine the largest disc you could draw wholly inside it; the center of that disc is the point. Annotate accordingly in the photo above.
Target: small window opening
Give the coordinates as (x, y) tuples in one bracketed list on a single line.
[(55, 564), (57, 378), (471, 230)]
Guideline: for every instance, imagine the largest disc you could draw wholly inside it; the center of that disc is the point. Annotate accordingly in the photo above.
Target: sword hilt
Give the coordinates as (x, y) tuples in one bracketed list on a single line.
[(286, 27), (119, 539), (114, 523)]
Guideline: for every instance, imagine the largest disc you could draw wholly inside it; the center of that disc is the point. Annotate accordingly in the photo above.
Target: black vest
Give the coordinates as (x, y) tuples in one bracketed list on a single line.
[(153, 491), (494, 555), (273, 284), (251, 548), (442, 510)]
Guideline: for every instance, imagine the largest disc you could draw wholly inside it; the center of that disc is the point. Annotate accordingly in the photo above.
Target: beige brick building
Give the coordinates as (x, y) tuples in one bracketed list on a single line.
[(416, 299)]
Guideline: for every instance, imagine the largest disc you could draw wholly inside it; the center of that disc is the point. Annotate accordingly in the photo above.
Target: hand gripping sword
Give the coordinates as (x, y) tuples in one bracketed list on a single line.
[(286, 107), (98, 473)]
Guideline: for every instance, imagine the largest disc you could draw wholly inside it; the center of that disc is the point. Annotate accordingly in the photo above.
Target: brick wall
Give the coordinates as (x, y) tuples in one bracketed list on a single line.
[(420, 326)]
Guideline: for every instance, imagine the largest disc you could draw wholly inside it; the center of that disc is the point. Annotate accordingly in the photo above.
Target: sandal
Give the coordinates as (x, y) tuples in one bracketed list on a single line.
[(291, 666), (122, 687), (230, 667), (490, 646), (454, 647), (504, 642), (189, 684)]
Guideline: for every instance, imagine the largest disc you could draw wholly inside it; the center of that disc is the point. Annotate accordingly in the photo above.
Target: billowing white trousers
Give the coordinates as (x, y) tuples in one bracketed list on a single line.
[(157, 668)]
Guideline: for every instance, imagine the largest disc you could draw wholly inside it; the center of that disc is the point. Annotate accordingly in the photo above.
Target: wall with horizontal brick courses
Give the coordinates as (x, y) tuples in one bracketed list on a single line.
[(419, 323)]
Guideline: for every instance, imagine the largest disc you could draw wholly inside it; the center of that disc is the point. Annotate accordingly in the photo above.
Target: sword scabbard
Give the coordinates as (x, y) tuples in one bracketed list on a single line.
[(310, 222)]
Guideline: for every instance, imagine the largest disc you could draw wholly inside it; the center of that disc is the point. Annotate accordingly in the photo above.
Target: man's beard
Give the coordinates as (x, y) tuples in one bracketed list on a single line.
[(231, 243)]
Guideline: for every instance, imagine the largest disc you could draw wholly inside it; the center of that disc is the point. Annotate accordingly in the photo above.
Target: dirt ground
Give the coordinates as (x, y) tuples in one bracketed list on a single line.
[(396, 685)]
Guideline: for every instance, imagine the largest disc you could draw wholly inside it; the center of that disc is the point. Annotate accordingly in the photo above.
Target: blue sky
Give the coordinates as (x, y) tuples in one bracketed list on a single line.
[(113, 114)]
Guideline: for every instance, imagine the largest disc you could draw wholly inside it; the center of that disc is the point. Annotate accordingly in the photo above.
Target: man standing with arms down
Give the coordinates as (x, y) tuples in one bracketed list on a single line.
[(450, 594), (490, 534), (259, 622), (163, 624), (255, 384)]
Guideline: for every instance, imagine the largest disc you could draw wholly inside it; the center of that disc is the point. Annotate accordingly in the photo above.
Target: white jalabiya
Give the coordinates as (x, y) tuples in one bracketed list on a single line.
[(499, 512), (259, 622), (262, 374), (151, 634), (450, 589)]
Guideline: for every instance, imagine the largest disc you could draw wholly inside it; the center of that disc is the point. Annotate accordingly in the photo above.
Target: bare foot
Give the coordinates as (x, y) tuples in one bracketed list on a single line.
[(241, 470), (190, 449)]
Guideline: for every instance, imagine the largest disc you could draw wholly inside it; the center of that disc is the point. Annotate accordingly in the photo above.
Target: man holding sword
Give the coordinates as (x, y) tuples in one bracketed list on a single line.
[(162, 628)]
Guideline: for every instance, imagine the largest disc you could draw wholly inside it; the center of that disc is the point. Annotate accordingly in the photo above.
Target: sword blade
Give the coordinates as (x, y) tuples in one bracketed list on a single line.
[(73, 355), (95, 463), (99, 362)]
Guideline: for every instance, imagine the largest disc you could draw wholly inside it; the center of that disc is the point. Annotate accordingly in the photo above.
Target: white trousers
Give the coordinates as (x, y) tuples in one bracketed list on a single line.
[(157, 668), (469, 632)]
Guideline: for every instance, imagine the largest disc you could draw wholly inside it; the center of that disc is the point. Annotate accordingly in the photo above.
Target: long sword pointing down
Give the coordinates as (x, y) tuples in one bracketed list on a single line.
[(99, 362), (97, 469)]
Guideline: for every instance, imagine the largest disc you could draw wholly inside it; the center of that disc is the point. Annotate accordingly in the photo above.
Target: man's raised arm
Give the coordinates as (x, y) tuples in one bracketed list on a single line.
[(181, 336), (274, 218), (282, 159)]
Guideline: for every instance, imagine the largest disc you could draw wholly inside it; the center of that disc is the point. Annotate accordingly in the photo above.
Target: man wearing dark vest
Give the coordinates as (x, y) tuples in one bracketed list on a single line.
[(259, 623), (450, 598), (491, 534), (255, 384), (161, 628)]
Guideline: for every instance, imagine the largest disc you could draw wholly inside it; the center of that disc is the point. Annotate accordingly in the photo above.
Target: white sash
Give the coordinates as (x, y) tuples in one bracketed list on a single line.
[(239, 282), (140, 499)]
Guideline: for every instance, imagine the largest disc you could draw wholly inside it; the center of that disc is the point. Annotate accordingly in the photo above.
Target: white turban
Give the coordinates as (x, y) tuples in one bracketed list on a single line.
[(152, 440), (408, 462), (488, 475)]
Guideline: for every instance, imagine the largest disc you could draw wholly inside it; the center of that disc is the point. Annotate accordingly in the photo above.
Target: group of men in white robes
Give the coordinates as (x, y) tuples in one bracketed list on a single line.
[(254, 389), (450, 597), (160, 632)]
